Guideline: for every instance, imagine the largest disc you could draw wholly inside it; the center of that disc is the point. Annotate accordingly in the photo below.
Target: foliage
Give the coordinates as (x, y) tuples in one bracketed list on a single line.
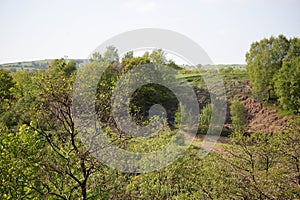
[(158, 57), (111, 54), (172, 64), (96, 57), (7, 98), (130, 63), (43, 157), (204, 119), (21, 173), (149, 95), (273, 68), (238, 116), (6, 86), (128, 54), (265, 166), (264, 59), (287, 82), (187, 178)]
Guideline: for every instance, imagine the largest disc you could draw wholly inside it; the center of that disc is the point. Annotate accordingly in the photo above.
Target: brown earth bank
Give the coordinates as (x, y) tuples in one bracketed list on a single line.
[(261, 118)]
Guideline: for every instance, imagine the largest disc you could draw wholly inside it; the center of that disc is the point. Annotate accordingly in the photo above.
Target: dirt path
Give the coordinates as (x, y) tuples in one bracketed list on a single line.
[(218, 147)]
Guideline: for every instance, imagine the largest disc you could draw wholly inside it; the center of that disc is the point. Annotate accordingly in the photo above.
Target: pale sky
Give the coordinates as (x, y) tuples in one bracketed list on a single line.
[(35, 29)]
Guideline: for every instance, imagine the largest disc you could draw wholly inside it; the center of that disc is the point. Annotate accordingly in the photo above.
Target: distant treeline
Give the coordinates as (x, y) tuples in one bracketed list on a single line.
[(43, 64), (37, 64)]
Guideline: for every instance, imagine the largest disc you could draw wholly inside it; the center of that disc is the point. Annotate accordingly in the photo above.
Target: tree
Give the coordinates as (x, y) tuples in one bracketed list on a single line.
[(6, 86), (7, 98), (61, 66), (146, 55), (24, 108), (111, 54), (20, 164), (287, 82), (265, 166), (96, 57), (158, 57), (189, 177), (264, 59), (204, 119), (67, 164), (171, 63), (130, 63), (238, 117), (70, 67), (128, 54)]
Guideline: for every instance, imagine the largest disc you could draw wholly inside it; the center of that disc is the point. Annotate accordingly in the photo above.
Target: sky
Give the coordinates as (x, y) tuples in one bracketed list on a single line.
[(225, 29)]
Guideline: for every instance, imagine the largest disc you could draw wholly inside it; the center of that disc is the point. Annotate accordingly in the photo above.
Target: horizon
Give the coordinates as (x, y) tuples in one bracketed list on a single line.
[(49, 59)]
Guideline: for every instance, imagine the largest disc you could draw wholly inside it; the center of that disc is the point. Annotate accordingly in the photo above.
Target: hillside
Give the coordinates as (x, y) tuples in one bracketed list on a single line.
[(44, 146), (36, 64), (260, 117)]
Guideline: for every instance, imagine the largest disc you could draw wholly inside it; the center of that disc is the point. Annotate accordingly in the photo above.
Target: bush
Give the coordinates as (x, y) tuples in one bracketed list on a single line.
[(204, 119), (238, 117)]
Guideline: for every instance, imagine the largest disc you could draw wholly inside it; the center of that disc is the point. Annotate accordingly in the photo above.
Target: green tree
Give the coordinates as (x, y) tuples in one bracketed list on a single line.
[(25, 105), (189, 177), (204, 119), (68, 167), (238, 116), (265, 166), (146, 55), (96, 57), (6, 85), (7, 99), (172, 64), (21, 156), (287, 81), (158, 57), (128, 54), (111, 54), (264, 59), (70, 67), (130, 63)]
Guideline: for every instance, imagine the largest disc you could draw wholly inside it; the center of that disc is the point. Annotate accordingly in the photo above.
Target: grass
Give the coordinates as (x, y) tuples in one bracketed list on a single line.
[(218, 147)]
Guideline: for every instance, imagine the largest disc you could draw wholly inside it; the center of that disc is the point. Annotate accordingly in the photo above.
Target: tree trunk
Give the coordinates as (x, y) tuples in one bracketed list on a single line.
[(298, 170), (269, 96), (83, 190)]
